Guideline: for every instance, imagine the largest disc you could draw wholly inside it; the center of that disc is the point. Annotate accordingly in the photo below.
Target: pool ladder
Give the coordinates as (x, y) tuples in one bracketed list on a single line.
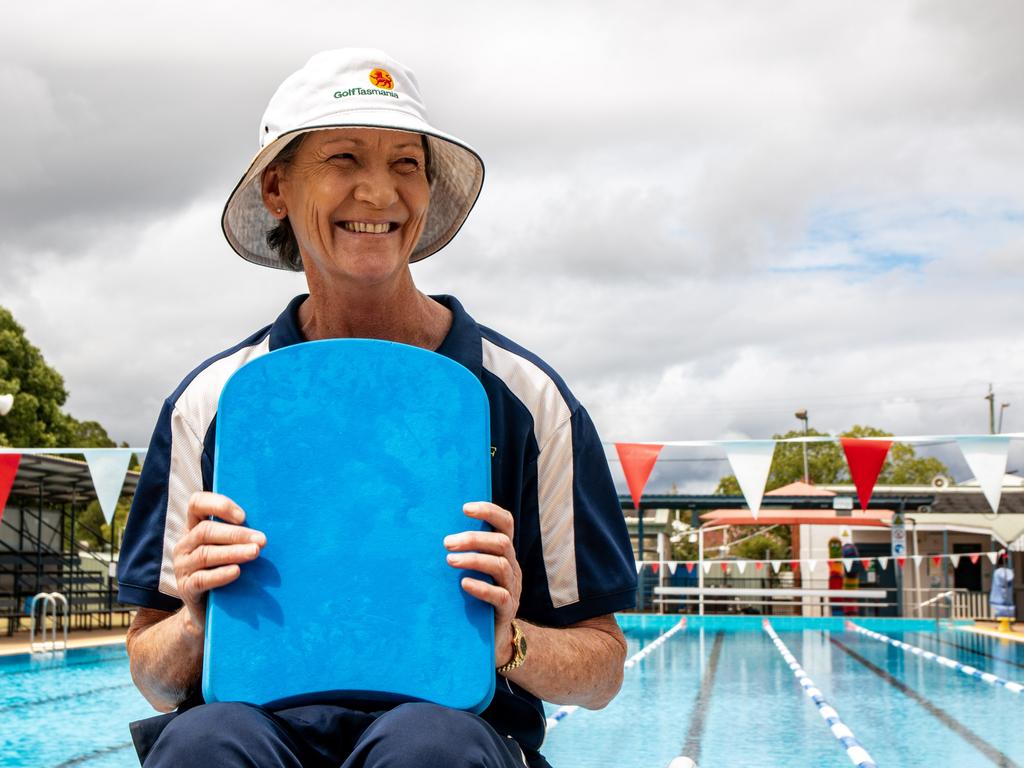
[(48, 601)]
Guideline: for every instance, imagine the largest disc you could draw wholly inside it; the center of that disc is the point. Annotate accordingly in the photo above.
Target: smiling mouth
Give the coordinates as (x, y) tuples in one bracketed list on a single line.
[(369, 228)]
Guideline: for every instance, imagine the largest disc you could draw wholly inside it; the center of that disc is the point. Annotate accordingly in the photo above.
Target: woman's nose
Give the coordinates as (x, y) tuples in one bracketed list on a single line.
[(376, 187)]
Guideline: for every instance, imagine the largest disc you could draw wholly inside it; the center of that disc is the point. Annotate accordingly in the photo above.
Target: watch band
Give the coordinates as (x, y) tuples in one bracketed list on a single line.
[(518, 649)]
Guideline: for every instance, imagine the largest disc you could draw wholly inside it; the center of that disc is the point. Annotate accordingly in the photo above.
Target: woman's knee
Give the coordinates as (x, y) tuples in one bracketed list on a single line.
[(429, 735), (221, 733)]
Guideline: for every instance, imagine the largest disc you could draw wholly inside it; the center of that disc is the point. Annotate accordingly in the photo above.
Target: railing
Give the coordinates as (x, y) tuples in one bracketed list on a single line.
[(957, 603), (48, 601)]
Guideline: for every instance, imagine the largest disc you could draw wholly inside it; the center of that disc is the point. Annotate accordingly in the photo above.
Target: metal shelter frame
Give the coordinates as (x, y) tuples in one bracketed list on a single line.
[(40, 550)]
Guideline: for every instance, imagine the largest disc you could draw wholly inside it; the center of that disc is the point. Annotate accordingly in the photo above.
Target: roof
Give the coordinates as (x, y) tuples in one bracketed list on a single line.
[(800, 488), (957, 499), (60, 480), (874, 518), (1006, 528)]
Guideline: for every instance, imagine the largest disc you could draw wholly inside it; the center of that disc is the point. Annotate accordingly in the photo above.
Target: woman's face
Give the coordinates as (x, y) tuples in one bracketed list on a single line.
[(356, 199)]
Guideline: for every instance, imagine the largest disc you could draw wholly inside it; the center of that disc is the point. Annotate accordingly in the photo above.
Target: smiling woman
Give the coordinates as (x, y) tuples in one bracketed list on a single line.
[(351, 189)]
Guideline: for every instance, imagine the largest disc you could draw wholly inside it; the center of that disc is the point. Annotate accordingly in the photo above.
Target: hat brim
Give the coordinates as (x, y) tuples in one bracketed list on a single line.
[(458, 175)]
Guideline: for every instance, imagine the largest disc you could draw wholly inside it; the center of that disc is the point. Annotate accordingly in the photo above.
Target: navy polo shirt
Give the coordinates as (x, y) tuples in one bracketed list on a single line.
[(548, 468)]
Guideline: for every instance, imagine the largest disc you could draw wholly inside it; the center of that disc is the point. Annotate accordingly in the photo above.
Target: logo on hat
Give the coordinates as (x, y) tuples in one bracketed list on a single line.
[(382, 79)]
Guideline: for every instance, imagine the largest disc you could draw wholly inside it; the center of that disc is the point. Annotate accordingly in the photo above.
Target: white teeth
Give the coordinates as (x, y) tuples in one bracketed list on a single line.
[(362, 226)]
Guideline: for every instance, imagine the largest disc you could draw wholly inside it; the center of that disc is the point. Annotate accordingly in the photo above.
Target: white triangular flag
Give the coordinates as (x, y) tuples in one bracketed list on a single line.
[(847, 564), (776, 565), (751, 461), (706, 565), (639, 565), (741, 565), (811, 565), (917, 560), (108, 467), (986, 456), (955, 560), (883, 563), (992, 557), (672, 565)]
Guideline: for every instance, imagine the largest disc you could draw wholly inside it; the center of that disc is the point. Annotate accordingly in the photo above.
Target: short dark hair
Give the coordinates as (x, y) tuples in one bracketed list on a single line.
[(281, 237)]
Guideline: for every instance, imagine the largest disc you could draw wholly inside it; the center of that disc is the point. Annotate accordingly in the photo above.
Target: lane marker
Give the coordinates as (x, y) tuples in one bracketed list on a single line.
[(695, 734), (563, 712), (945, 661), (969, 649), (988, 750), (857, 754)]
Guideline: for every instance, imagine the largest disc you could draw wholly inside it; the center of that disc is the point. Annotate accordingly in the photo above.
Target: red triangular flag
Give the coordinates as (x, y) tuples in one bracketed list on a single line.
[(725, 566), (974, 558), (901, 561), (8, 469), (936, 559), (759, 565), (794, 564), (866, 562), (690, 567), (637, 461), (655, 567), (865, 459)]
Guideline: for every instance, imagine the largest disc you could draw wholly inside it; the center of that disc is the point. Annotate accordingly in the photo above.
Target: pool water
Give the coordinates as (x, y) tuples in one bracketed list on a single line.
[(717, 691)]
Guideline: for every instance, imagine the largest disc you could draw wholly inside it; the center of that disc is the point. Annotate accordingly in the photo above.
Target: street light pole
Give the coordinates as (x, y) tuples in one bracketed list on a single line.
[(1002, 408), (802, 416)]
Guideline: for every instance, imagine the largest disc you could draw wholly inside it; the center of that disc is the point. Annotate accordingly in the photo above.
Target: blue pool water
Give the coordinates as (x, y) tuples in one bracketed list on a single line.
[(718, 691)]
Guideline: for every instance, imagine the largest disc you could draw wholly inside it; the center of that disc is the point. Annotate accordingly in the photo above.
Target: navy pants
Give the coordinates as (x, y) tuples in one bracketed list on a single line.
[(422, 735)]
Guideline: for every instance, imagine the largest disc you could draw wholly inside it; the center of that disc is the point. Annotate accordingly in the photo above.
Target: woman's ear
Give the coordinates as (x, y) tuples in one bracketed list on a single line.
[(270, 189)]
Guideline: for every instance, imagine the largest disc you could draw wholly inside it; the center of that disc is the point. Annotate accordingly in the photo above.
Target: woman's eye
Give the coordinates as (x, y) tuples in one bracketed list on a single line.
[(408, 163), (343, 156)]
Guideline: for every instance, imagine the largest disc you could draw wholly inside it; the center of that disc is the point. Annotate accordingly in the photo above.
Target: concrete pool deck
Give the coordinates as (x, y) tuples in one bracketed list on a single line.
[(82, 638)]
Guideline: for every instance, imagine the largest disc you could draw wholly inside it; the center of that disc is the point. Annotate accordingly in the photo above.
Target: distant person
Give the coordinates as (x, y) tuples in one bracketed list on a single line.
[(1000, 597)]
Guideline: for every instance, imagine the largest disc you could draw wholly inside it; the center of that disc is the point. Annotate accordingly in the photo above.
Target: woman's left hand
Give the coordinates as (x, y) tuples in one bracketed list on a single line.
[(493, 553)]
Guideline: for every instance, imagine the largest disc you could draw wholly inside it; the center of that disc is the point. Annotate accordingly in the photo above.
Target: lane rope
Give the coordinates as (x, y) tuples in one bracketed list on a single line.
[(857, 754), (563, 712), (945, 661)]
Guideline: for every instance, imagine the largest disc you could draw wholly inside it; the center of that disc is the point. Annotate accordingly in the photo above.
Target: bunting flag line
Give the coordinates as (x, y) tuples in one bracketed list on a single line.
[(108, 469), (986, 457), (865, 459), (637, 461), (8, 469), (810, 564), (824, 439), (751, 460)]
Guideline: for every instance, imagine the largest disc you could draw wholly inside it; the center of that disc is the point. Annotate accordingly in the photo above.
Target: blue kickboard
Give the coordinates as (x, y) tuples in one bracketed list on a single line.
[(354, 457)]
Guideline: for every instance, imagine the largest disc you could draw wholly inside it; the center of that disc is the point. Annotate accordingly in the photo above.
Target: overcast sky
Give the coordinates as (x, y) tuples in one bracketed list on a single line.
[(705, 215)]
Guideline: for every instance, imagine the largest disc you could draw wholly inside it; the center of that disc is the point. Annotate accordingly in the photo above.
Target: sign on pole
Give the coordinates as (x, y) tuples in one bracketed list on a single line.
[(899, 536)]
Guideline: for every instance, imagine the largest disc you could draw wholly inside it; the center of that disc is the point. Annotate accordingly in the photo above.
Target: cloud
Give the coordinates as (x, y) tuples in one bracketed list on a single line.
[(704, 215)]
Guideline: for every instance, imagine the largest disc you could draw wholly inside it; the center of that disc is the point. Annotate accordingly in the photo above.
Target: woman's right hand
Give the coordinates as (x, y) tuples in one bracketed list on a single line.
[(211, 552)]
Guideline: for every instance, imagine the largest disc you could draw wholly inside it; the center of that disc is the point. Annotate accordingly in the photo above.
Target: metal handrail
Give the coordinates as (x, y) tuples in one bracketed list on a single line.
[(49, 602), (948, 595)]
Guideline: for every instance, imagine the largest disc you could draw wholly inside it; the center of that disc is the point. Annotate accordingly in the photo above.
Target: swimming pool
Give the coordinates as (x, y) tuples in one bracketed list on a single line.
[(716, 689)]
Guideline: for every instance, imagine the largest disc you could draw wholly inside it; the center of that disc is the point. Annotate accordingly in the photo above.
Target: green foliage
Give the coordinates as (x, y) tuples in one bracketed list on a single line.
[(756, 546), (827, 464)]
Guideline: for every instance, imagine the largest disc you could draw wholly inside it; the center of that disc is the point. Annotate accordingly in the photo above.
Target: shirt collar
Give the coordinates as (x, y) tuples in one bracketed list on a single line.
[(462, 344)]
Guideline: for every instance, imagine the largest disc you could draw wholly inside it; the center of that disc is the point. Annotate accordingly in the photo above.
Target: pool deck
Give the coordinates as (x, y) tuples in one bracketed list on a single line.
[(84, 638), (990, 629)]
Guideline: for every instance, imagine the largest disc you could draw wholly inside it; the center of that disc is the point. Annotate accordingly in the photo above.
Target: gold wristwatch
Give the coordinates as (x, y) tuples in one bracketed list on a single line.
[(518, 649)]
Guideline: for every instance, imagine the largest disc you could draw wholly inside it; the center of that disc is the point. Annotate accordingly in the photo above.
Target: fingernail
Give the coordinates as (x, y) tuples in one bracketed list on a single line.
[(453, 559), (253, 550), (450, 541), (258, 538)]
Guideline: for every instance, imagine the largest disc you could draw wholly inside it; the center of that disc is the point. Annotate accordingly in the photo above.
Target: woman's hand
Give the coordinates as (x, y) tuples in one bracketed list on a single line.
[(491, 552), (211, 552)]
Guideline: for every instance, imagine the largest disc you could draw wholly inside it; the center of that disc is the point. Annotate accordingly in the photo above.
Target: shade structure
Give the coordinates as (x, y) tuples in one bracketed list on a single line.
[(873, 518)]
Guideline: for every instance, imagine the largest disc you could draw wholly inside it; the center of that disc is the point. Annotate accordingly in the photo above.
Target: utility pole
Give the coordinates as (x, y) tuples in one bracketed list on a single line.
[(1002, 408), (991, 397), (802, 416)]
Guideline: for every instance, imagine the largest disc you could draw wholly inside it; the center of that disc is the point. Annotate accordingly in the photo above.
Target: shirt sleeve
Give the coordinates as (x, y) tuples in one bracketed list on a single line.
[(589, 568), (171, 473)]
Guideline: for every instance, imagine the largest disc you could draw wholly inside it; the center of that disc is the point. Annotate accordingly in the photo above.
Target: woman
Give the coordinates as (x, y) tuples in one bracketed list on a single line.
[(351, 185)]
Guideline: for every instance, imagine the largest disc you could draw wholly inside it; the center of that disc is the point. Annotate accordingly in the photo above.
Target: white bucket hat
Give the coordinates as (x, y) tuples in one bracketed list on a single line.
[(353, 87)]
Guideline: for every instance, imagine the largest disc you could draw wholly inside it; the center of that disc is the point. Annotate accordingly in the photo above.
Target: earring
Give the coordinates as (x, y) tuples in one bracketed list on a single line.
[(280, 209)]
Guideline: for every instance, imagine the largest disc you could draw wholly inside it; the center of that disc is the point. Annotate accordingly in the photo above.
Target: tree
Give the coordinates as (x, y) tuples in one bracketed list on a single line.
[(827, 464), (38, 421)]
